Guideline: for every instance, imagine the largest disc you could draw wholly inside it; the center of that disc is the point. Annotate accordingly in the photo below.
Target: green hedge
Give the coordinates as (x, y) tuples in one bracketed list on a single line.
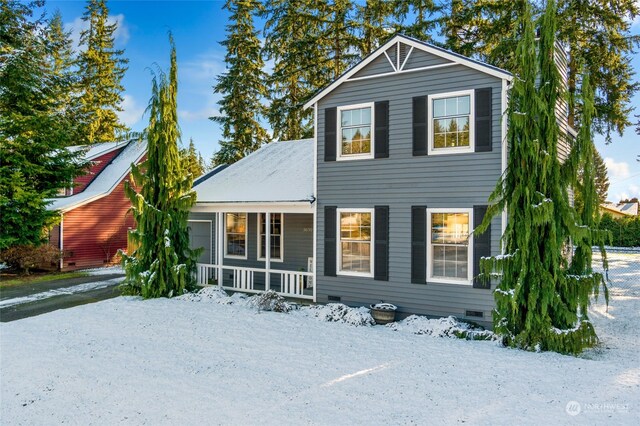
[(625, 232)]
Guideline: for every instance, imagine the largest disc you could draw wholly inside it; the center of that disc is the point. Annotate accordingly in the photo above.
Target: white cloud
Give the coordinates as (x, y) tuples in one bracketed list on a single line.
[(131, 112), (121, 35), (616, 170), (202, 114), (206, 67)]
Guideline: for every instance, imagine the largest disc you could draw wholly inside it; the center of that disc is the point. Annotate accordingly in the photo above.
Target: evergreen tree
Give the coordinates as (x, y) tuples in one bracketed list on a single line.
[(34, 127), (162, 265), (374, 24), (192, 161), (601, 181), (63, 68), (425, 18), (101, 68), (292, 30), (242, 87), (541, 303), (598, 35), (338, 39)]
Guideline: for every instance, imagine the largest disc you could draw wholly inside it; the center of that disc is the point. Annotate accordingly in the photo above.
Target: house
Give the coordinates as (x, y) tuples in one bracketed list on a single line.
[(93, 212), (381, 203), (620, 210)]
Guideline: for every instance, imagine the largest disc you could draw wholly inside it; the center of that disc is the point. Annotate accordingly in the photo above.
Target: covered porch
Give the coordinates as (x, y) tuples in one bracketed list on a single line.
[(239, 255), (255, 221)]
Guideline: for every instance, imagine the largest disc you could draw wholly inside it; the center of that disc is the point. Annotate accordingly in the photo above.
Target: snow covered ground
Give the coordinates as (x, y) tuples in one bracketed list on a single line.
[(217, 360)]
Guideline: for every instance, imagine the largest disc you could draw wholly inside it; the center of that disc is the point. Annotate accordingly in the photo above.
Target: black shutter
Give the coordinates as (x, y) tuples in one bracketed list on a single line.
[(330, 140), (382, 129), (330, 241), (419, 244), (483, 139), (420, 126), (481, 246), (381, 254)]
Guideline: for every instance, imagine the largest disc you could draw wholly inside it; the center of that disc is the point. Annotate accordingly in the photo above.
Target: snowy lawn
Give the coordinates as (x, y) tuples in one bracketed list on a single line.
[(213, 360)]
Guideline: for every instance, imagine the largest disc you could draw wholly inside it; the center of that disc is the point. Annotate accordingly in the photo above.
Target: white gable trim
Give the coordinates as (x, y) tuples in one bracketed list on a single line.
[(456, 59)]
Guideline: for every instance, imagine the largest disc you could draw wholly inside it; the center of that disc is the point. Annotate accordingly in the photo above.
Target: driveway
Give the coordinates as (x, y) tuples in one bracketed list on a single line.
[(29, 300)]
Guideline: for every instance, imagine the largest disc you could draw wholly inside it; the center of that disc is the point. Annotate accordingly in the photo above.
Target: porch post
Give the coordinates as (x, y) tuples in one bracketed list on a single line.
[(219, 244), (267, 250)]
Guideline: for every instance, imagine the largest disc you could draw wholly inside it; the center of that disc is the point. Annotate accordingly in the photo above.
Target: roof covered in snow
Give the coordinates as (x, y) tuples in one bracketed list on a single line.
[(107, 180), (96, 150), (277, 172)]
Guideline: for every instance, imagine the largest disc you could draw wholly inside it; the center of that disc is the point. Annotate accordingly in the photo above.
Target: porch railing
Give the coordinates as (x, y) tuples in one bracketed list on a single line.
[(291, 283)]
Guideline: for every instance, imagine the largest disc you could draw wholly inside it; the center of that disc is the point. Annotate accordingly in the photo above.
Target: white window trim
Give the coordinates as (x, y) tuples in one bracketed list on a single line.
[(339, 271), (472, 116), (246, 237), (261, 256), (469, 280), (350, 157)]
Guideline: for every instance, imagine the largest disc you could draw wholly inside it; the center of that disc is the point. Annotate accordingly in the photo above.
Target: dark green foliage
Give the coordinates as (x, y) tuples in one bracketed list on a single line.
[(162, 265), (242, 87), (601, 181), (425, 14), (625, 232), (598, 36), (542, 297), (292, 34), (35, 125), (373, 24), (101, 69)]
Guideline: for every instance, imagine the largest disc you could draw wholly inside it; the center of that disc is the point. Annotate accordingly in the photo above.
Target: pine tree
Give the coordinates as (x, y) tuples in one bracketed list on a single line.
[(63, 69), (541, 304), (425, 18), (242, 87), (292, 30), (192, 161), (601, 181), (34, 127), (101, 68), (597, 33), (337, 38), (162, 265), (374, 24)]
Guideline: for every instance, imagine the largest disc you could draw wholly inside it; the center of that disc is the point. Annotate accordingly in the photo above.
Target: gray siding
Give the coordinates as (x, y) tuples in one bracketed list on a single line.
[(419, 59), (380, 65), (401, 181)]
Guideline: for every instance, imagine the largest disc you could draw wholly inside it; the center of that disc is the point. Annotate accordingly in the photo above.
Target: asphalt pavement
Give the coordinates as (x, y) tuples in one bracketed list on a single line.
[(28, 300)]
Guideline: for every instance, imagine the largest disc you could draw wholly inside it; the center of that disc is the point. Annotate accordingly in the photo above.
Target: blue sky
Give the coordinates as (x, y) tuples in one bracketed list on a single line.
[(198, 26)]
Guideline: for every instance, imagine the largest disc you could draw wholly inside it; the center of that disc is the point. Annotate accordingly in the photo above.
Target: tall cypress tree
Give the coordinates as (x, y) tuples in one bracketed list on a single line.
[(101, 68), (541, 303), (35, 127), (162, 265), (242, 86)]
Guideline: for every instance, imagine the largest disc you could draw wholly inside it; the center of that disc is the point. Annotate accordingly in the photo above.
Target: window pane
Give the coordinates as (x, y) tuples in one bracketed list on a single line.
[(452, 106), (366, 116), (276, 236), (464, 104), (438, 108), (355, 242), (346, 118), (356, 116), (449, 245)]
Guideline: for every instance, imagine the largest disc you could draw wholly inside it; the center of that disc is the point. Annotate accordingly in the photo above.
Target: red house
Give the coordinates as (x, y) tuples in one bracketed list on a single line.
[(94, 212)]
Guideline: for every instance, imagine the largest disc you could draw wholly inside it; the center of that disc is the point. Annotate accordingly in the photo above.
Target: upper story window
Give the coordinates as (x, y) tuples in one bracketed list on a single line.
[(236, 235), (449, 251), (275, 237), (355, 254), (451, 122), (355, 131)]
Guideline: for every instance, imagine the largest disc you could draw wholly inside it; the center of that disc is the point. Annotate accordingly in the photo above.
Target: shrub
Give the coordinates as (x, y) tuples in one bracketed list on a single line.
[(625, 232), (24, 258), (271, 301)]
